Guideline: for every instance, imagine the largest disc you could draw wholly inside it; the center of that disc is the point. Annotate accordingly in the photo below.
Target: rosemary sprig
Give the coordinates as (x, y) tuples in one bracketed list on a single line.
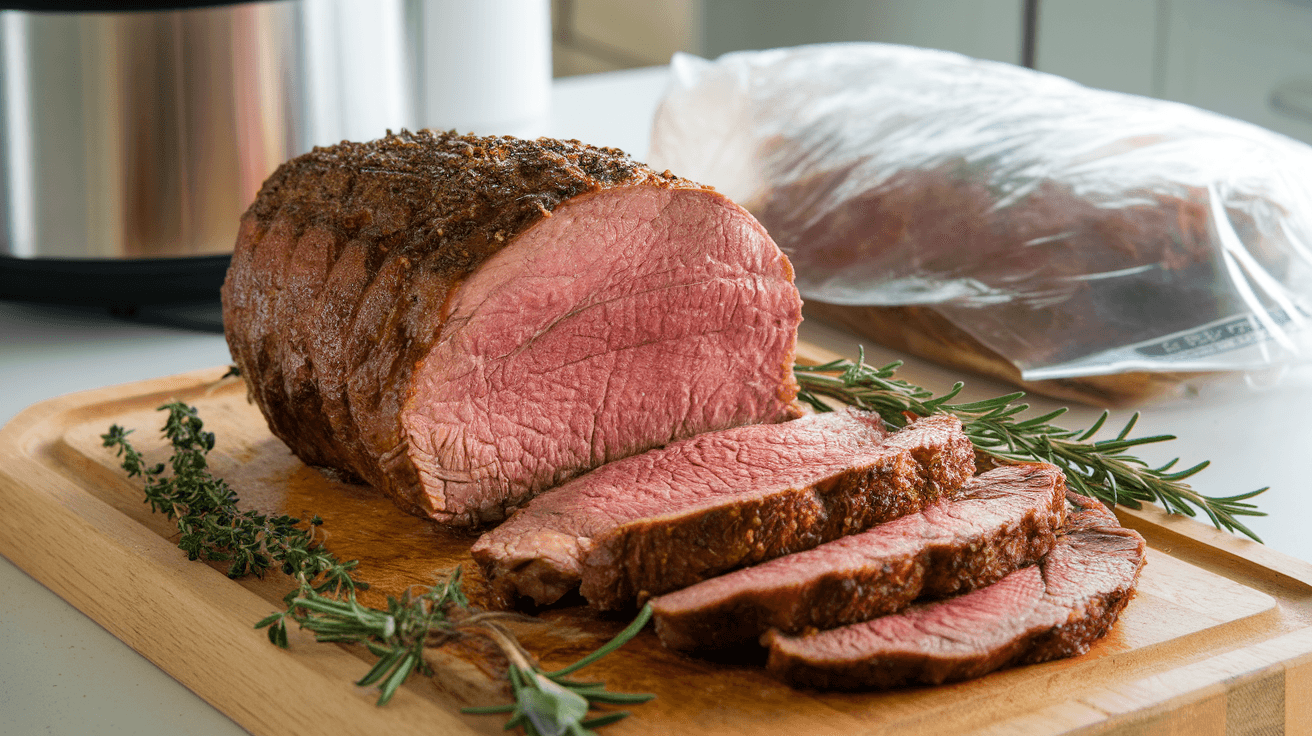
[(211, 527), (544, 702), (1103, 469), (549, 703)]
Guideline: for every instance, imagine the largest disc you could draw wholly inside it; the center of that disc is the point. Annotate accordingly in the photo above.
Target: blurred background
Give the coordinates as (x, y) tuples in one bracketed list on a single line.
[(1250, 59), (134, 133)]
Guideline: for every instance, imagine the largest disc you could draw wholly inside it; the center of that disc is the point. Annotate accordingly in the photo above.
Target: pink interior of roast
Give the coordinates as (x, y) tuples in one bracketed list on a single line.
[(628, 319)]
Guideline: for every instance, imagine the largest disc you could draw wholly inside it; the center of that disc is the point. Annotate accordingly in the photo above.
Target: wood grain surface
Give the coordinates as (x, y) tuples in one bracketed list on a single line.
[(1218, 639)]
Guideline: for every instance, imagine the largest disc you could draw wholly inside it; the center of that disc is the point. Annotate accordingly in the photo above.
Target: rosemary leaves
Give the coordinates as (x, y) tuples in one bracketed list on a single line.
[(1103, 469)]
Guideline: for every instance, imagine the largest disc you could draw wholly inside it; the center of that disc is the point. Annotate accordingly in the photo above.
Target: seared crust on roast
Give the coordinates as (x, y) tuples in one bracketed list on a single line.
[(1054, 609), (1003, 519), (668, 518)]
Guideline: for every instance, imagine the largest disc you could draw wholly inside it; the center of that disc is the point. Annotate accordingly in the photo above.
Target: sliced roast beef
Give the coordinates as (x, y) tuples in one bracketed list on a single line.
[(1005, 519), (671, 517), (464, 322), (1055, 609)]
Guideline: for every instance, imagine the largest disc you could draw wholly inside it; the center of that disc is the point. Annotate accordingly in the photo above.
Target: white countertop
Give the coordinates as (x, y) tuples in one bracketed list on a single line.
[(60, 673)]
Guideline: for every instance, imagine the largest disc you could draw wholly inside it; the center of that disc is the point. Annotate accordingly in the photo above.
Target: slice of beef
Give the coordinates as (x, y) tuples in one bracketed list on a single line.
[(464, 322), (672, 517), (1055, 609), (1005, 519)]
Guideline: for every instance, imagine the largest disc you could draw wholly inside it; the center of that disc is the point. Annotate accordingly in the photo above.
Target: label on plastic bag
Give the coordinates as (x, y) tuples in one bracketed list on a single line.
[(1214, 346)]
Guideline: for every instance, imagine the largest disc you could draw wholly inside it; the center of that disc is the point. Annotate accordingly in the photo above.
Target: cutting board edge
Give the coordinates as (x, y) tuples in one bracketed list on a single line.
[(66, 518), (1171, 701)]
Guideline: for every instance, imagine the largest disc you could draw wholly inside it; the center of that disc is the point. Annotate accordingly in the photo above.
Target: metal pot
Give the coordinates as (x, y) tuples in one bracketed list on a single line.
[(141, 135)]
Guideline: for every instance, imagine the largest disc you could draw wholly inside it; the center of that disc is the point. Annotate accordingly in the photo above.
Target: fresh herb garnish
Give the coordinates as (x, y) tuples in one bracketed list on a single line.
[(210, 524), (549, 703), (1102, 469), (213, 528), (545, 702)]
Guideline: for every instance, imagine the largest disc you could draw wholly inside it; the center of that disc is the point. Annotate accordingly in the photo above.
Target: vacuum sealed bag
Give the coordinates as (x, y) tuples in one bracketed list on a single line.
[(1085, 244)]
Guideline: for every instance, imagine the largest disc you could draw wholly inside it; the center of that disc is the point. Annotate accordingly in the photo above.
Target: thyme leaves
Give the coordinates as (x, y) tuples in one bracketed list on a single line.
[(211, 527)]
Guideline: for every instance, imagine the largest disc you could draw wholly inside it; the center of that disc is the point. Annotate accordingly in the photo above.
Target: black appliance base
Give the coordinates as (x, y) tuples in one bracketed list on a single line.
[(182, 292), (113, 283)]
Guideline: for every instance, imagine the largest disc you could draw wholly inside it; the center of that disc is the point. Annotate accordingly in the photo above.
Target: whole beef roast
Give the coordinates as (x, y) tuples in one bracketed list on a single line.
[(1055, 609), (1005, 519), (464, 322), (671, 517)]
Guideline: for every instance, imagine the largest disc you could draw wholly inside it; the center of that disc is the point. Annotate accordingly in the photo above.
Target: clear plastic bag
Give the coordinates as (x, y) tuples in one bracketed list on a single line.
[(1074, 233)]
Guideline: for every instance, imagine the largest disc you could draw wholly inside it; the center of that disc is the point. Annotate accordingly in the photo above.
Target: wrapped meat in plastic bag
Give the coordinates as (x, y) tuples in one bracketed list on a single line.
[(1087, 244)]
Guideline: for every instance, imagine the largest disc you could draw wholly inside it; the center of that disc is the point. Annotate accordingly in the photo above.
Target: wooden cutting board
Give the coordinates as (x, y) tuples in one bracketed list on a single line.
[(1218, 639)]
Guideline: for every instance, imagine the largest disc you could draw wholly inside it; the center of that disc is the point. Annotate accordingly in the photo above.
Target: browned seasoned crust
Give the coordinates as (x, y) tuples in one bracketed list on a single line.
[(344, 261), (928, 460), (1055, 609), (1002, 520), (458, 197)]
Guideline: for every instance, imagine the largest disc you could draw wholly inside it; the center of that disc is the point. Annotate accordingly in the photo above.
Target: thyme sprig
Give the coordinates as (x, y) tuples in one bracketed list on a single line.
[(210, 525), (1103, 469), (212, 528)]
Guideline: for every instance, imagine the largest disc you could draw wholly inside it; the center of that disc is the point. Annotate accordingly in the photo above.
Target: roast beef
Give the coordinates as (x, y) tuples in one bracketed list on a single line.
[(464, 322), (1006, 518), (1057, 608), (671, 517)]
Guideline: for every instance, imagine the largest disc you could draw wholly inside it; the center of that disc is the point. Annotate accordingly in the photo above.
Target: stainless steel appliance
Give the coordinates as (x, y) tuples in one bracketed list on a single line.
[(134, 134)]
